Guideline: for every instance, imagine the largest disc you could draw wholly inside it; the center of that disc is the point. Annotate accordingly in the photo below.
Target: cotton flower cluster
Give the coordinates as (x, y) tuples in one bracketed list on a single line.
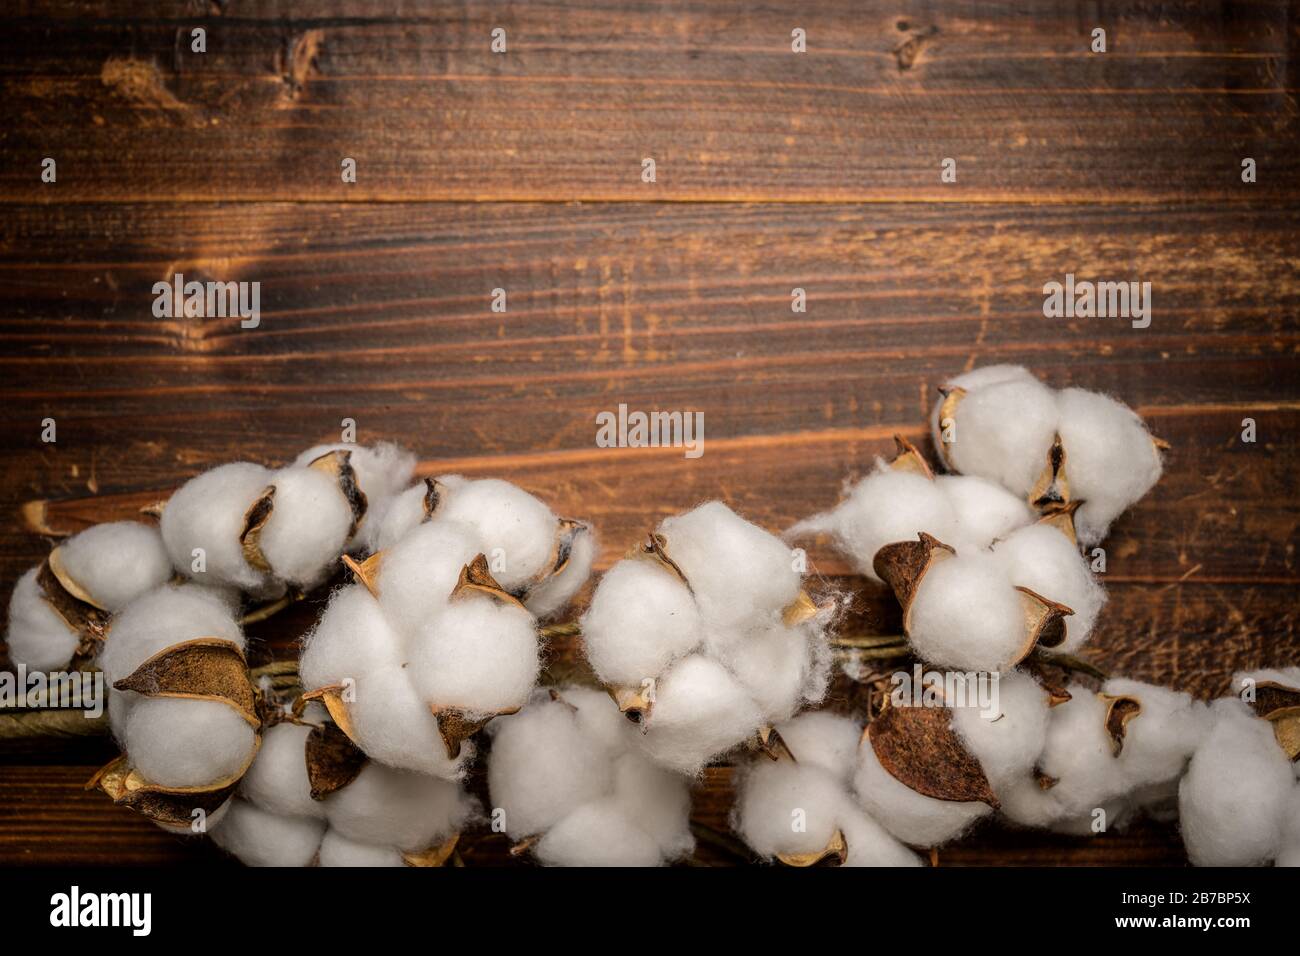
[(800, 808), (264, 531), (383, 817), (706, 637), (568, 781), (439, 636), (1001, 423)]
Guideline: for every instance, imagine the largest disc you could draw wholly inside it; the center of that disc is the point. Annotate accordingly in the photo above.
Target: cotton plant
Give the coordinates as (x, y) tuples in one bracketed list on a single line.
[(439, 635), (706, 638), (569, 785)]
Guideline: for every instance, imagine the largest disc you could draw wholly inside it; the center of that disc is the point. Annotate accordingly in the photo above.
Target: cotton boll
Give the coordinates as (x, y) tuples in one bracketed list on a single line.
[(277, 781), (37, 637), (787, 808), (1022, 800), (1006, 738), (1078, 754), (352, 638), (983, 511), (404, 513), (1233, 799), (885, 507), (116, 562), (393, 725), (910, 816), (543, 766), (556, 591), (478, 656), (1160, 740), (777, 666), (819, 738), (966, 615), (381, 471), (599, 718), (418, 574), (208, 512), (1003, 432), (988, 375), (641, 618), (171, 614), (737, 570), (700, 712), (338, 850), (659, 801), (870, 844), (261, 838), (1110, 459), (395, 808), (308, 527), (180, 742), (1042, 559), (119, 707), (598, 834), (513, 525)]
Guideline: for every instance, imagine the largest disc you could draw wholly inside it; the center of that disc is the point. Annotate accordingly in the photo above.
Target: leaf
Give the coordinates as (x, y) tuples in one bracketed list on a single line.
[(206, 668), (333, 760), (456, 726), (835, 853), (338, 465), (903, 564), (918, 747), (908, 459), (1120, 709), (1052, 489), (436, 855), (255, 519)]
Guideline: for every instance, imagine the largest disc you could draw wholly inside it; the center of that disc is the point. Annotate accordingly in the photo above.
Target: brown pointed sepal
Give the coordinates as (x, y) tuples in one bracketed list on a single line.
[(436, 855), (1052, 489), (918, 747), (835, 853), (255, 519), (1120, 709), (338, 465), (903, 564), (205, 668), (456, 726), (170, 807), (909, 459), (1044, 623), (333, 760), (476, 578)]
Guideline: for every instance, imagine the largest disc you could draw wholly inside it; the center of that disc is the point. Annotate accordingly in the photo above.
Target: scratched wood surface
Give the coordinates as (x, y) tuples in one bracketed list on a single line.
[(522, 172)]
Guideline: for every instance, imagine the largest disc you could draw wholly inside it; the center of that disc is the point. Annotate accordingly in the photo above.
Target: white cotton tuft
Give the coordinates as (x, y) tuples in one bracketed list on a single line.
[(820, 738), (394, 725), (258, 837), (598, 834), (382, 471), (1002, 431), (787, 808), (737, 570), (1160, 740), (117, 562), (1286, 676), (1078, 755), (1041, 558), (179, 742), (975, 379), (207, 512), (478, 655), (517, 530), (404, 513), (1007, 736), (700, 711), (966, 615), (308, 526), (658, 800), (352, 638), (552, 594), (171, 614), (338, 850), (418, 574), (277, 780), (391, 807), (780, 667), (1232, 802), (870, 844), (1111, 461), (983, 511), (910, 816), (641, 619), (38, 637)]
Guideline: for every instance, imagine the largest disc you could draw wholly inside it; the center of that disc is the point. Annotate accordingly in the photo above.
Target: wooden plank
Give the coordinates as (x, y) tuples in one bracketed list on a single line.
[(586, 90)]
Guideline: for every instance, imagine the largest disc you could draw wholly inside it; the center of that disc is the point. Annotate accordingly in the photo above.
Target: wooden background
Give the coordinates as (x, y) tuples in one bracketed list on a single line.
[(775, 170)]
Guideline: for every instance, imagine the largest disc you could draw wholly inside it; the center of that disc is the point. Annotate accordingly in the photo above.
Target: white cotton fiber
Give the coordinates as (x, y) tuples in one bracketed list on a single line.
[(404, 513), (778, 666), (870, 844), (258, 837), (1006, 737), (1110, 459), (1079, 756), (1003, 431), (338, 850), (822, 739), (116, 562), (352, 638), (910, 816), (598, 834), (308, 527), (700, 711), (207, 512), (277, 781), (37, 637), (382, 471), (392, 724), (395, 808), (736, 569), (965, 614), (179, 742), (1160, 740), (641, 618), (418, 574), (983, 511), (658, 800), (1041, 558), (1232, 802), (517, 530), (784, 807), (479, 655), (171, 614), (554, 593)]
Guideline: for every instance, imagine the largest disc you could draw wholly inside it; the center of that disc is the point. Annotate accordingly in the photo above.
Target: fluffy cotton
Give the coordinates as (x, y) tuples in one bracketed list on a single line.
[(308, 528), (207, 513), (353, 637), (709, 648), (175, 742), (418, 574), (966, 614), (565, 770), (171, 614), (382, 471), (338, 850), (478, 656), (406, 810), (38, 637), (261, 838), (1041, 558), (1006, 737), (277, 781), (116, 562), (519, 528)]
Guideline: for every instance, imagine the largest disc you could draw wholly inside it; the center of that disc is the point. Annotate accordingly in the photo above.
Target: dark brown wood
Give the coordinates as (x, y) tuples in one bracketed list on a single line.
[(522, 172)]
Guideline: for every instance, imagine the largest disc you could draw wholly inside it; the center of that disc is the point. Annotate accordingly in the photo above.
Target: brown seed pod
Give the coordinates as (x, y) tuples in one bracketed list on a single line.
[(206, 668), (333, 760), (918, 747), (635, 703), (1052, 488), (366, 572), (255, 519), (172, 807), (769, 742), (82, 617), (436, 855), (655, 548), (456, 726), (835, 853), (799, 611), (952, 396), (1062, 519), (1044, 622), (908, 458), (335, 703), (1280, 706), (475, 578), (903, 564), (1120, 709), (567, 533)]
